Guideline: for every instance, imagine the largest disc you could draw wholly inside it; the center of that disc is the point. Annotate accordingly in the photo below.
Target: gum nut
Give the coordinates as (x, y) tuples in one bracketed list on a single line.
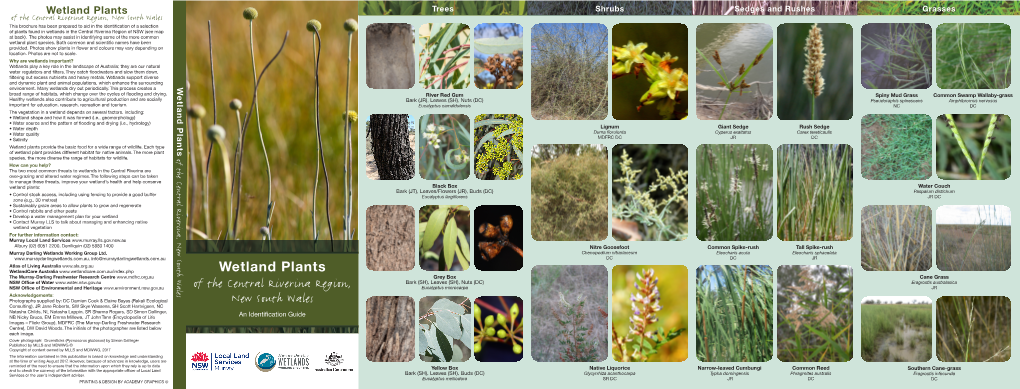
[(478, 313), (478, 347), (501, 319), (514, 310), (518, 349), (490, 331), (196, 111), (501, 334), (235, 104), (250, 13), (488, 321), (313, 25), (351, 25), (216, 132)]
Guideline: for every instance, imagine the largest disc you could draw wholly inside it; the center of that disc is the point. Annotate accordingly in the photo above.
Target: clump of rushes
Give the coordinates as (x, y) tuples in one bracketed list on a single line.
[(250, 14), (660, 217), (814, 50), (734, 313), (989, 136), (815, 192), (504, 328), (641, 340), (666, 82), (499, 135), (737, 82), (216, 135), (351, 26), (314, 26), (736, 183)]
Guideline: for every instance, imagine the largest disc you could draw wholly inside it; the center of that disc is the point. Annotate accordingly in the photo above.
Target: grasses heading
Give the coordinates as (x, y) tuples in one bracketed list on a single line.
[(896, 237), (734, 313), (973, 328)]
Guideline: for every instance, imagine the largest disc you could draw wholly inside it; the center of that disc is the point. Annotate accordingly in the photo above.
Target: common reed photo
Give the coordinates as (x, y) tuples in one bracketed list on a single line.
[(816, 313)]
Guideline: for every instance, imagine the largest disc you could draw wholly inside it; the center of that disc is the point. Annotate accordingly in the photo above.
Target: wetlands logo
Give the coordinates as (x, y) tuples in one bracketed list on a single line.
[(200, 361), (265, 362), (294, 361)]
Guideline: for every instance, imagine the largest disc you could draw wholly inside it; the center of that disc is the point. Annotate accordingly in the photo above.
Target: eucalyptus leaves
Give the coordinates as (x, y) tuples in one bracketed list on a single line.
[(442, 324), (443, 236)]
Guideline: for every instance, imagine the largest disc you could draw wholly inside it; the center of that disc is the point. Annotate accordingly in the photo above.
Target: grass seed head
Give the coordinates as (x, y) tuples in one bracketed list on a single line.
[(235, 104), (250, 13), (196, 111), (351, 25), (814, 50), (313, 25)]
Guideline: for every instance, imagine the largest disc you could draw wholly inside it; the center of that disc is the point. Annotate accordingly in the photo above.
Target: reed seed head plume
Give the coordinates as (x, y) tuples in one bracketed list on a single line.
[(351, 25), (313, 25), (235, 104), (741, 71), (250, 13), (715, 56), (216, 133), (814, 51), (196, 111)]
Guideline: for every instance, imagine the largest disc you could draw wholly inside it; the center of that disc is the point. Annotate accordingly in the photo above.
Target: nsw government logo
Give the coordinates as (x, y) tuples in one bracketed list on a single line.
[(265, 362), (200, 361)]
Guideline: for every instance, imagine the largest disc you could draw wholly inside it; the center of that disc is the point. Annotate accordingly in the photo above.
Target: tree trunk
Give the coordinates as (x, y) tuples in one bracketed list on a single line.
[(390, 56), (390, 322), (390, 235), (394, 155)]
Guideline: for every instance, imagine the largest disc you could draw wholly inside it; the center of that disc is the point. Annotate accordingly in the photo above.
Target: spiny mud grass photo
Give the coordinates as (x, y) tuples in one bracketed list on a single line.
[(390, 147), (500, 237), (896, 237), (973, 238), (649, 313), (816, 313), (445, 329), (739, 55), (973, 328), (444, 146), (973, 56), (444, 55), (649, 192), (896, 147), (499, 147), (568, 192), (816, 192), (896, 329), (391, 235), (649, 81), (736, 185), (270, 151), (815, 71), (973, 147), (389, 321), (569, 314), (499, 329), (569, 71), (734, 313), (896, 56), (499, 56), (445, 236)]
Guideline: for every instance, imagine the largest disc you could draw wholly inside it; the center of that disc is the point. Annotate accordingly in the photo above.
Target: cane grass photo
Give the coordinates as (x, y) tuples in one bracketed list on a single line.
[(896, 237), (734, 313), (973, 56), (896, 56), (389, 52), (973, 238), (816, 313), (499, 56), (569, 71), (444, 55), (973, 147), (445, 329), (735, 183), (649, 80), (815, 71), (444, 146), (389, 147), (973, 328), (965, 7), (389, 321), (569, 313), (649, 313), (499, 146), (569, 187), (390, 233), (896, 147), (500, 244), (499, 329), (737, 59), (896, 329), (270, 156), (649, 192), (779, 7), (444, 236), (816, 192)]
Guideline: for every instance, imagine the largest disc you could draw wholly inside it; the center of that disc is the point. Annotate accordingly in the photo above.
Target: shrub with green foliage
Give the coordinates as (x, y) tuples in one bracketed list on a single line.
[(569, 200)]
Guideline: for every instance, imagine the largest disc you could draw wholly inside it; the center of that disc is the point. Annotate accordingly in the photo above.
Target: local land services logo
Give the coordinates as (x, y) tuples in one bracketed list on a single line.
[(265, 362), (200, 361)]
